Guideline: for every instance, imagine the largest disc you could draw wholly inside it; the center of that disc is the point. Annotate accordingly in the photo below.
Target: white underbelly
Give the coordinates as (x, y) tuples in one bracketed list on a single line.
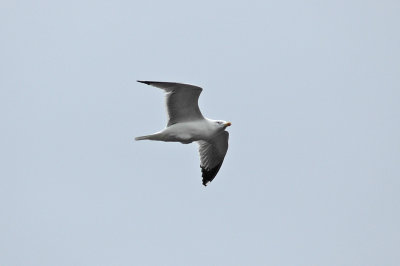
[(188, 132)]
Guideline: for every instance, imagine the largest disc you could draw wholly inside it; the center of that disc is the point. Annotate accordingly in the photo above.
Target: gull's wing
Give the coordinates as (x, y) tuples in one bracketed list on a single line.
[(181, 101), (212, 154)]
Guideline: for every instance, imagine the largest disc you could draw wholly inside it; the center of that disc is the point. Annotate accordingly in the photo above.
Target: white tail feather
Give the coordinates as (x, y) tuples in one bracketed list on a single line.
[(143, 137), (156, 136)]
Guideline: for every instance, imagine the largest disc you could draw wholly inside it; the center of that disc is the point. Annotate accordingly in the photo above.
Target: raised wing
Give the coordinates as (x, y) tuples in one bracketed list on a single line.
[(181, 101), (212, 154)]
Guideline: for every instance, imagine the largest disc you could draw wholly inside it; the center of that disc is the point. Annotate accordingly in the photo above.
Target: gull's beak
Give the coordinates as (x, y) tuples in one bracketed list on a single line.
[(227, 124)]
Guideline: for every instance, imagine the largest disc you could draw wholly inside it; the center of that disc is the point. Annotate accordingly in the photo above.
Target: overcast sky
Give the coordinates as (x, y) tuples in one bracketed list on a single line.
[(312, 175)]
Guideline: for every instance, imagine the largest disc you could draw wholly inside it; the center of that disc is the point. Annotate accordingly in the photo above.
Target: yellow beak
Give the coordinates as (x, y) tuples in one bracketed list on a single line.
[(228, 124)]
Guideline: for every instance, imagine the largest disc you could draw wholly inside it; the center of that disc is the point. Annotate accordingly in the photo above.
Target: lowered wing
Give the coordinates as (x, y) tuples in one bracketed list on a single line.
[(212, 154)]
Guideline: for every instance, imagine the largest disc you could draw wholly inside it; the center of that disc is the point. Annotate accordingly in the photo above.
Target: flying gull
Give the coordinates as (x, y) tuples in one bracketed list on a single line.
[(186, 124)]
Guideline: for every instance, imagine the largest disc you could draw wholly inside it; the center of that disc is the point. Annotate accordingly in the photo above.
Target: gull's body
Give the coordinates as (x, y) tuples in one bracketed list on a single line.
[(185, 132), (186, 124)]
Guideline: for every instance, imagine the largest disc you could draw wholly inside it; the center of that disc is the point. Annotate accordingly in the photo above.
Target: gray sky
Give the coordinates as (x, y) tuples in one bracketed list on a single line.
[(312, 173)]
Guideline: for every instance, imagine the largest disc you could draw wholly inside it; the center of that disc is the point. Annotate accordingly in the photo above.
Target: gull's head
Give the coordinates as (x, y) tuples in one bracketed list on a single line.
[(222, 124)]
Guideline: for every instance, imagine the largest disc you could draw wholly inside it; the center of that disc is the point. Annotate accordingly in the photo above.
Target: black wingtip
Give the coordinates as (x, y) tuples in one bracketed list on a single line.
[(145, 82), (209, 174)]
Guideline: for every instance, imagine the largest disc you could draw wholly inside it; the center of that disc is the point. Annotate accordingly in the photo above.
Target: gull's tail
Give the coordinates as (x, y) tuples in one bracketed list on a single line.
[(143, 137), (149, 137)]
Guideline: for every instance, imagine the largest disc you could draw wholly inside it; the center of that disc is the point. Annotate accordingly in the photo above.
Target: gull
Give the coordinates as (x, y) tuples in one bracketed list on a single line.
[(186, 124)]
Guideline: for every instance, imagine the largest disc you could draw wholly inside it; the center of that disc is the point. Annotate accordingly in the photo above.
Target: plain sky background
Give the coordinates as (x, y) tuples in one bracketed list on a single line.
[(312, 175)]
